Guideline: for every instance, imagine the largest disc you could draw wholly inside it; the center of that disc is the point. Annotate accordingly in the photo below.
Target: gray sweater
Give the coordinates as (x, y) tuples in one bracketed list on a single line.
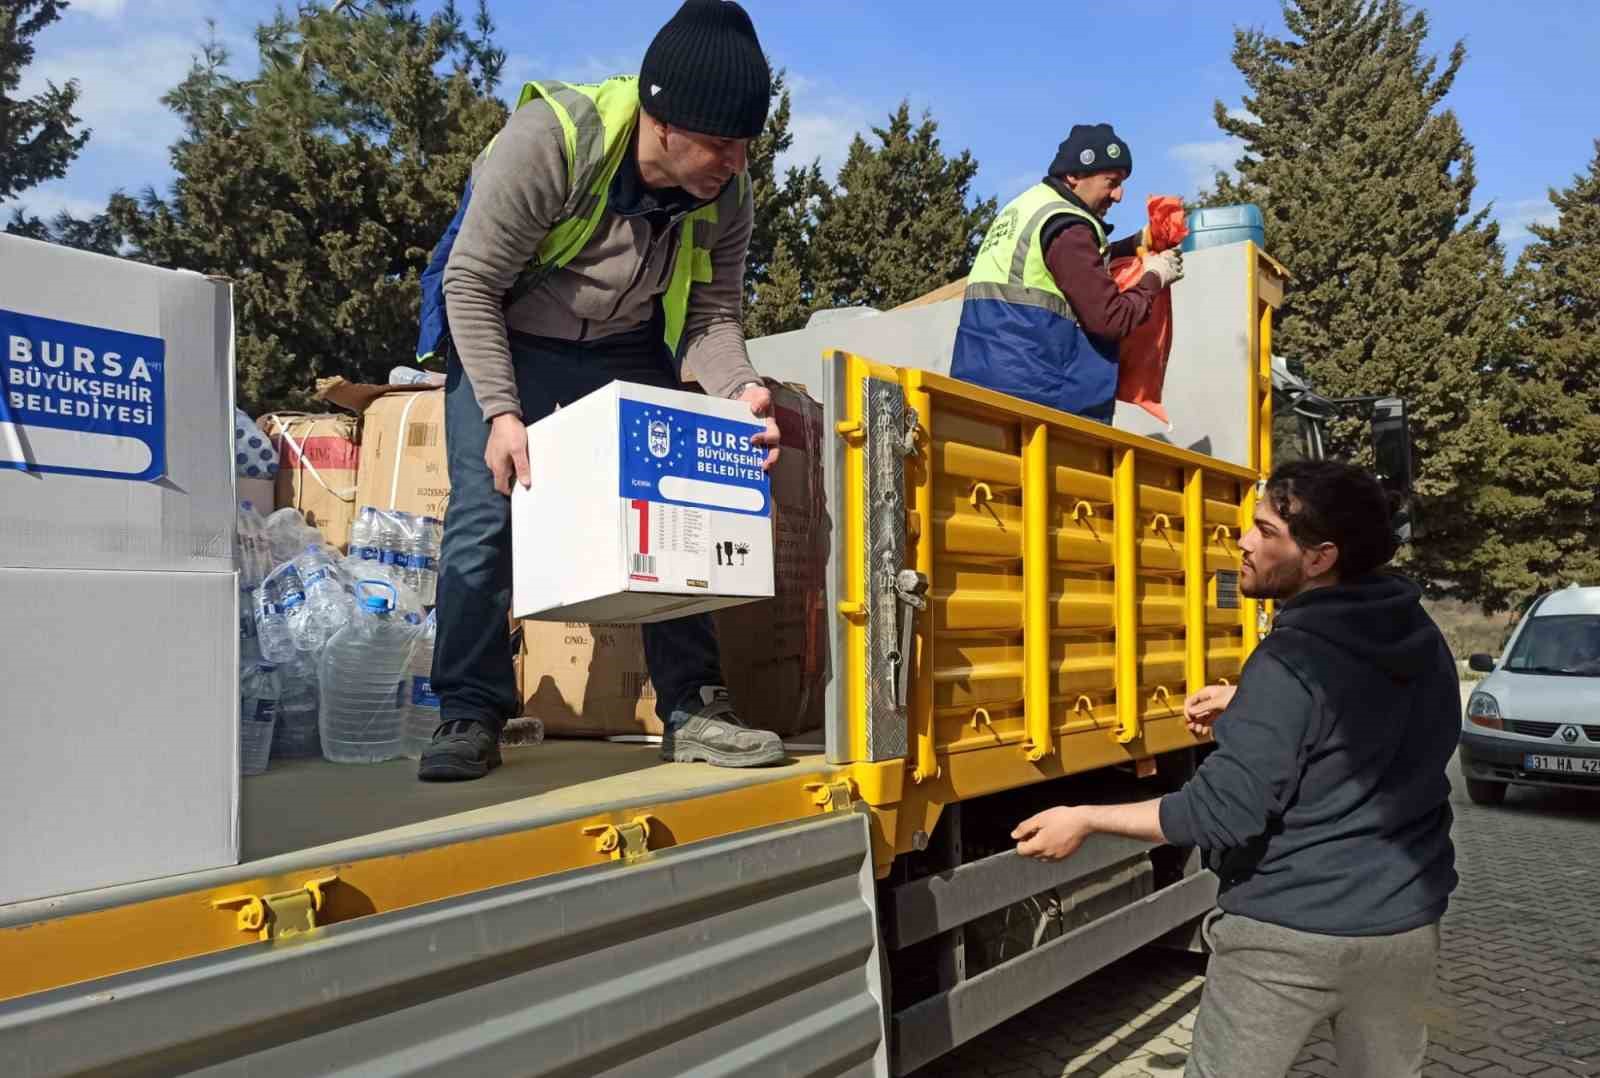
[(610, 287)]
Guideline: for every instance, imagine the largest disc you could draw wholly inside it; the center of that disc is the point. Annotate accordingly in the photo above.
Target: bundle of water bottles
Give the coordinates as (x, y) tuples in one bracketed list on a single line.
[(335, 651)]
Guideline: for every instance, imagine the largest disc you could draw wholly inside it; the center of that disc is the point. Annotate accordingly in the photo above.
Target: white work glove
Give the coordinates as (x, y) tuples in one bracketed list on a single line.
[(1166, 265)]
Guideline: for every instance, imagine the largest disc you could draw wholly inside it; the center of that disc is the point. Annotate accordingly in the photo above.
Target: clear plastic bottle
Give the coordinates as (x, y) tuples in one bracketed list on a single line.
[(288, 533), (249, 641), (258, 717), (420, 704), (328, 605), (297, 736), (364, 535), (277, 599), (360, 716), (422, 560), (250, 547)]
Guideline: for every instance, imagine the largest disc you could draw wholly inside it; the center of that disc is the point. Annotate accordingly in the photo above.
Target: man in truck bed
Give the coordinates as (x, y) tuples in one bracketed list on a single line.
[(1041, 316), (602, 237), (1325, 808)]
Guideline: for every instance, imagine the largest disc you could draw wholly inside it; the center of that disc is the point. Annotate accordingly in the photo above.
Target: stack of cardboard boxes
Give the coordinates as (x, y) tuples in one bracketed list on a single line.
[(580, 679), (119, 647)]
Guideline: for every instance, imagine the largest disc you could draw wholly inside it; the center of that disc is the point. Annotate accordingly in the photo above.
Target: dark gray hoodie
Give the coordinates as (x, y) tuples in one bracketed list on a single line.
[(1325, 806)]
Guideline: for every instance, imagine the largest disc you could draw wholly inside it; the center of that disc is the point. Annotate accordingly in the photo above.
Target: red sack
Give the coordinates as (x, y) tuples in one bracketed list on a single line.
[(1142, 355)]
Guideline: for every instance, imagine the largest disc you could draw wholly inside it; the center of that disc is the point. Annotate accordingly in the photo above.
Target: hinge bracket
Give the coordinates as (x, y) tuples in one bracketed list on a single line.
[(282, 915), (832, 796), (626, 842)]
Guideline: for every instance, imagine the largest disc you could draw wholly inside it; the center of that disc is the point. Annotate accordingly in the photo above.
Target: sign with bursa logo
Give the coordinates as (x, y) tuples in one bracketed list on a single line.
[(81, 400), (686, 458)]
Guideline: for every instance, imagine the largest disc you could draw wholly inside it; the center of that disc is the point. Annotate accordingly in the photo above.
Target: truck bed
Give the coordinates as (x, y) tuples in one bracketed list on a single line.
[(313, 807)]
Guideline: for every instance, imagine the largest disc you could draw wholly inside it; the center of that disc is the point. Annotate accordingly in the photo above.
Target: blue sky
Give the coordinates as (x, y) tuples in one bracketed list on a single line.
[(1004, 80)]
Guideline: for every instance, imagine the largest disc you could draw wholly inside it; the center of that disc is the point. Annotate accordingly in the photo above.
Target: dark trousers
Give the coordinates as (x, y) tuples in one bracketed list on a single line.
[(472, 668)]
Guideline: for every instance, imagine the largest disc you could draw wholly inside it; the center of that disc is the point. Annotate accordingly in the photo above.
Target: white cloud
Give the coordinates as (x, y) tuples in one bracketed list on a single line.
[(50, 199), (103, 9), (1516, 217), (1204, 159), (120, 87), (823, 125)]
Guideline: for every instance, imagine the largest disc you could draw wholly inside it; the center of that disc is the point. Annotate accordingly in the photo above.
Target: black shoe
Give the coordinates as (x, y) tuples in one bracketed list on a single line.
[(460, 750), (713, 734)]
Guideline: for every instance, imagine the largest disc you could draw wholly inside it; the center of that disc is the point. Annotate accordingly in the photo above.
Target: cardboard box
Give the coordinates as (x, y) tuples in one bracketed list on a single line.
[(317, 458), (590, 680), (403, 463), (586, 680), (123, 695), (260, 493), (661, 509), (116, 413)]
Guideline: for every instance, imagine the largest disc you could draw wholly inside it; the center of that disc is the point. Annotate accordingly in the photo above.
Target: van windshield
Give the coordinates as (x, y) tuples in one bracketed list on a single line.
[(1564, 644)]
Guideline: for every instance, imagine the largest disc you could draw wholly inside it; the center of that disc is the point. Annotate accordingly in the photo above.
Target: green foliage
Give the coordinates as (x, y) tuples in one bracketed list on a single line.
[(1550, 489), (777, 286), (899, 224), (321, 186), (1366, 184), (37, 142)]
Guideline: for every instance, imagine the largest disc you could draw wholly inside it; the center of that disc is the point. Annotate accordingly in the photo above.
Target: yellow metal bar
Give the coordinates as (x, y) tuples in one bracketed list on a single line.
[(1264, 335), (1130, 707), (920, 474), (1194, 579), (853, 518), (1249, 609), (1036, 483), (80, 947)]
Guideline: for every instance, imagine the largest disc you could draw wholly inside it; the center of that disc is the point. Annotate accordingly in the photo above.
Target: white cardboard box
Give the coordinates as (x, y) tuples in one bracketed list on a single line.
[(119, 691), (646, 504), (116, 413)]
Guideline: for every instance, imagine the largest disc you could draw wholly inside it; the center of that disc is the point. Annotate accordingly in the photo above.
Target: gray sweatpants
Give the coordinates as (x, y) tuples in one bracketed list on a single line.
[(1268, 986)]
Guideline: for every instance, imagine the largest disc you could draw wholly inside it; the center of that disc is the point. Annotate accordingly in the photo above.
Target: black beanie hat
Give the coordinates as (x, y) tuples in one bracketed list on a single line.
[(705, 72), (1091, 148)]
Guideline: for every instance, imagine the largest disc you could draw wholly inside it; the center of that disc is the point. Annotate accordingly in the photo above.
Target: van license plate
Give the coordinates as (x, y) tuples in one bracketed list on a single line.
[(1570, 765)]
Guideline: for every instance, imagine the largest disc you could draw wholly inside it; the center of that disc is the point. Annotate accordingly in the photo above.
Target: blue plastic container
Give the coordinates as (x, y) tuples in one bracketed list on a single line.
[(1222, 225)]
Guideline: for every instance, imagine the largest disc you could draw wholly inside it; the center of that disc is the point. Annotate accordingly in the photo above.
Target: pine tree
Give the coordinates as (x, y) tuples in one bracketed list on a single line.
[(1366, 184), (321, 185), (1551, 482), (777, 284), (37, 142), (898, 224)]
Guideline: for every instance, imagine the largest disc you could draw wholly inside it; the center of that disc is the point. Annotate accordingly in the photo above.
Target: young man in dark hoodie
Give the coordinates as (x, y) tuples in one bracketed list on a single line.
[(1325, 808)]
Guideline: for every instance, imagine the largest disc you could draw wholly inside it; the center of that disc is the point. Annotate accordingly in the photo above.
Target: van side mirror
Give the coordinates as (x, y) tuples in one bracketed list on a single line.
[(1391, 454), (1481, 663)]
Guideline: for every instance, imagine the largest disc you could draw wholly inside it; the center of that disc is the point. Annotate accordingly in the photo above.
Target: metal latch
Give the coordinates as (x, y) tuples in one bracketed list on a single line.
[(832, 796), (282, 915), (911, 593), (908, 437), (625, 842)]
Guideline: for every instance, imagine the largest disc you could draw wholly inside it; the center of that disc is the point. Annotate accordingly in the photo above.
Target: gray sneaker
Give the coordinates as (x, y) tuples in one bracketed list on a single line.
[(715, 735)]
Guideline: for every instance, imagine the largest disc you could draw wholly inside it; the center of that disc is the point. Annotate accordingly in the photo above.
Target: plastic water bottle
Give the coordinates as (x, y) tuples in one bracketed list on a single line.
[(251, 552), (258, 717), (277, 599), (327, 606), (249, 641), (297, 736), (360, 716), (421, 705), (288, 533), (408, 376), (364, 535), (422, 560)]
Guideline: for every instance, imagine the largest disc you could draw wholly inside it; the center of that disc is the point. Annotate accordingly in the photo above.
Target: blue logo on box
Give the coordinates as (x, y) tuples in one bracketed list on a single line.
[(81, 400), (686, 458)]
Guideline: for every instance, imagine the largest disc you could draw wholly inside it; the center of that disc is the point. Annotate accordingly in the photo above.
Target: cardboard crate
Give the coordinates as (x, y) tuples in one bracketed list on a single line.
[(646, 504), (116, 414), (403, 464), (317, 457)]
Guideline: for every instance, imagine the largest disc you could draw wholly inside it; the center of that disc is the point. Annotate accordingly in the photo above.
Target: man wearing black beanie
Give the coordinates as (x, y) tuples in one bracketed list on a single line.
[(1042, 316), (602, 237)]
